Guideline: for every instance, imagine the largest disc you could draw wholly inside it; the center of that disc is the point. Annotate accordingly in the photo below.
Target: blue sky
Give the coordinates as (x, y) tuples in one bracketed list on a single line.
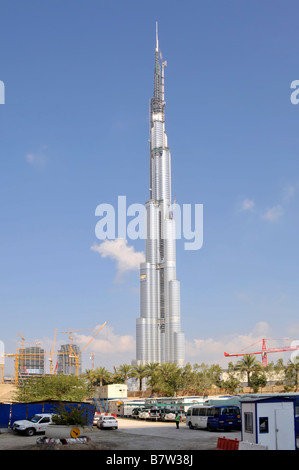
[(74, 134)]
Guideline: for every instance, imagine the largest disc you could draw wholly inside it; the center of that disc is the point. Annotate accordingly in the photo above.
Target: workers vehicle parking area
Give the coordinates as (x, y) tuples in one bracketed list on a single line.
[(262, 422), (133, 435)]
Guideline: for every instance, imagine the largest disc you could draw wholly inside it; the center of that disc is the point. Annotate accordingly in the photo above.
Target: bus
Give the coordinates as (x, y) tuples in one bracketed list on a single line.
[(213, 417)]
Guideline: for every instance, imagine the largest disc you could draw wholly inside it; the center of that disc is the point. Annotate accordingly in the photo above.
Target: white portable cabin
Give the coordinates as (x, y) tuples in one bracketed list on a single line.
[(124, 407), (113, 391), (269, 422)]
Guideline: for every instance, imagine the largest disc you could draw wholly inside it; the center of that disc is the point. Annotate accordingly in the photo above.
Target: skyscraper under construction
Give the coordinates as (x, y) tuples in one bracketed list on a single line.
[(158, 330)]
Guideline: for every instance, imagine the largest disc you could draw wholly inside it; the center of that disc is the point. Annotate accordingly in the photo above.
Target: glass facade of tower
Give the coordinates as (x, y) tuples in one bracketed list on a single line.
[(66, 359), (158, 330), (32, 360)]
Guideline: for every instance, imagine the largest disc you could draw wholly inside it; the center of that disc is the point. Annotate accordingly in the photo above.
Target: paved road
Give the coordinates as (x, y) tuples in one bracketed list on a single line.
[(133, 435)]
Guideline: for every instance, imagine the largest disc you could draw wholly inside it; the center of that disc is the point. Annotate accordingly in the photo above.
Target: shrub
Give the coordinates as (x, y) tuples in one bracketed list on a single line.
[(69, 417)]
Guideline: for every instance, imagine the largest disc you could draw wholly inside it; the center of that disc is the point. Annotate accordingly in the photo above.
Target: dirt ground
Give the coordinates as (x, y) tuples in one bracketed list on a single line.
[(6, 392), (132, 435)]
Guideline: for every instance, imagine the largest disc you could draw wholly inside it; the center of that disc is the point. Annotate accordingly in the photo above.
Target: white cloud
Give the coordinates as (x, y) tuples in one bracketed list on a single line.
[(212, 351), (107, 342), (37, 160), (109, 347), (274, 213), (127, 259), (293, 331), (247, 204), (288, 192)]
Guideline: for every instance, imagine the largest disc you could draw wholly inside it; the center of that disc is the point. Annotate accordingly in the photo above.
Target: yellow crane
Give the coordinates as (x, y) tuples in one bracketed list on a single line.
[(19, 356), (72, 353), (22, 350), (77, 356), (52, 352)]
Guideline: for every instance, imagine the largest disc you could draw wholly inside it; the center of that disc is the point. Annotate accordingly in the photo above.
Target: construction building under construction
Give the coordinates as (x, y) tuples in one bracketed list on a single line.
[(32, 361), (67, 356)]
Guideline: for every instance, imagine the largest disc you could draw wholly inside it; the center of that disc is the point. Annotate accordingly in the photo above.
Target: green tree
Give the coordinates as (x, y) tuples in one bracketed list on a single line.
[(207, 376), (90, 376), (102, 376), (248, 364), (55, 387), (258, 380), (123, 372), (188, 378), (292, 376), (170, 379), (215, 373), (139, 371), (152, 367), (231, 384), (152, 373)]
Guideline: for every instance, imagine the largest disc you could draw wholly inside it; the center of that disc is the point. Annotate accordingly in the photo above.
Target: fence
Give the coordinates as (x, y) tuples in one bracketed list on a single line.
[(11, 412), (227, 444)]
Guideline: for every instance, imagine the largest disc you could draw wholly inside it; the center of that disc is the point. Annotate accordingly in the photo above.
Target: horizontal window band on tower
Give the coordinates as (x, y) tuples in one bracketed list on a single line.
[(158, 330)]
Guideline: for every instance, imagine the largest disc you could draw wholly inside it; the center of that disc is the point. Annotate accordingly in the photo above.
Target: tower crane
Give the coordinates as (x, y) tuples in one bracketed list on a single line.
[(264, 351), (52, 352), (77, 356), (72, 353), (22, 339), (22, 350), (20, 356)]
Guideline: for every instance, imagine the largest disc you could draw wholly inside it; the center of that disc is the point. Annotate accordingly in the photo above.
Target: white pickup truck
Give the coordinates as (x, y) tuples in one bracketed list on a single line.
[(30, 426)]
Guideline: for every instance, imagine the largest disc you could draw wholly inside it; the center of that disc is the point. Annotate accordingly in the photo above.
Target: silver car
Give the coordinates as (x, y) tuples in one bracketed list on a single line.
[(107, 422)]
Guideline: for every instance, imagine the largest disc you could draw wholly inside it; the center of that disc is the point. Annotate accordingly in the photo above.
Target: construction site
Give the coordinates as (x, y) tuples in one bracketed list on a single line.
[(31, 361), (147, 420)]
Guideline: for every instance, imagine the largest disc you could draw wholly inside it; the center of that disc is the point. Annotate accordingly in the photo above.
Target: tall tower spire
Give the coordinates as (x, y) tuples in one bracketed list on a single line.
[(158, 330), (156, 102)]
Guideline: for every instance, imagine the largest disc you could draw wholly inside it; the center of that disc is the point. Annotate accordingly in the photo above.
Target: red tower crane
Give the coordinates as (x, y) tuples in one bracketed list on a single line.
[(264, 351)]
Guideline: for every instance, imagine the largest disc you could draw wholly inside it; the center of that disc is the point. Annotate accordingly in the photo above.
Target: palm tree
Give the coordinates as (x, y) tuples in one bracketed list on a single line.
[(90, 376), (139, 371), (171, 378), (248, 364), (151, 368), (292, 375), (102, 375), (123, 372)]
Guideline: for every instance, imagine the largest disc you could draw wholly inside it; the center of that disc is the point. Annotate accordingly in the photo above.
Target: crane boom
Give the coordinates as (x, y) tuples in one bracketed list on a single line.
[(91, 339), (264, 351), (102, 326)]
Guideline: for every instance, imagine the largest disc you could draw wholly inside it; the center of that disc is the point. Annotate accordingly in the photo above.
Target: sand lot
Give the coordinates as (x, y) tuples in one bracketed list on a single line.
[(131, 435)]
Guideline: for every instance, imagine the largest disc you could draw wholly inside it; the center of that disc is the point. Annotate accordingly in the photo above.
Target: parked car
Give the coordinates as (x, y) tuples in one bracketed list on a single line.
[(144, 413), (155, 413), (169, 416), (135, 411), (35, 424), (107, 422), (96, 418)]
